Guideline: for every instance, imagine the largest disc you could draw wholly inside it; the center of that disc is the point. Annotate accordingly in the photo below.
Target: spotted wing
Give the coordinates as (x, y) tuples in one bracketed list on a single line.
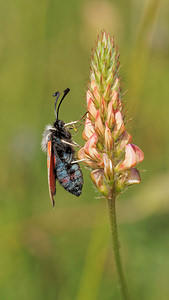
[(51, 171)]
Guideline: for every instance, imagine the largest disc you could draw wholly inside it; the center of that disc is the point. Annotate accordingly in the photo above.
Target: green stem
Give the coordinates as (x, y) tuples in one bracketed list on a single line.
[(113, 223)]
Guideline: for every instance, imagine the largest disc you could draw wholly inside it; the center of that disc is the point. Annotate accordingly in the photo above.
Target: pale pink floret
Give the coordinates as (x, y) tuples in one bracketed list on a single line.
[(103, 107), (95, 91), (91, 108), (114, 98), (133, 156), (88, 129), (97, 177), (88, 96), (90, 148), (107, 91), (125, 139), (108, 167), (119, 124), (99, 127), (110, 114), (116, 85), (87, 159), (108, 138)]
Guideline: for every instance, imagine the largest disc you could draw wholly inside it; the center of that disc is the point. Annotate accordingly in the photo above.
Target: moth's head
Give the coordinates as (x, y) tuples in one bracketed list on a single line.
[(58, 125)]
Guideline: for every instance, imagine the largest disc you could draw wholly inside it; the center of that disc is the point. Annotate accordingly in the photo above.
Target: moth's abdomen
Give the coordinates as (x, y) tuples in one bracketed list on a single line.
[(76, 178), (69, 176)]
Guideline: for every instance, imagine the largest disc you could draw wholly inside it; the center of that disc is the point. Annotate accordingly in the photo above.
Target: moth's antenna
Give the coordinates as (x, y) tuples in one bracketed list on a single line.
[(64, 94), (57, 94)]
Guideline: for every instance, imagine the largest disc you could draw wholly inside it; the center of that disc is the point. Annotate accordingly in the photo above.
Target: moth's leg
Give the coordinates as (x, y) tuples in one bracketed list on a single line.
[(79, 160), (71, 144)]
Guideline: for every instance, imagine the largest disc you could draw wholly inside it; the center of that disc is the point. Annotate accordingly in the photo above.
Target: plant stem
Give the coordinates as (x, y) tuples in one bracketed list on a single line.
[(113, 223)]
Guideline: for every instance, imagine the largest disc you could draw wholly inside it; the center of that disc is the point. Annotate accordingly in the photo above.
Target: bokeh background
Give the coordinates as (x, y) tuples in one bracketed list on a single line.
[(65, 253)]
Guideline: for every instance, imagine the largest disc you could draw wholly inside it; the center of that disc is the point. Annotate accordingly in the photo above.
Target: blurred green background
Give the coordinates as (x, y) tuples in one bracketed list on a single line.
[(65, 253)]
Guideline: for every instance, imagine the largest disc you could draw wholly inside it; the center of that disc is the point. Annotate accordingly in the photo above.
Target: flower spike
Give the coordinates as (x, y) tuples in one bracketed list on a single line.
[(107, 140)]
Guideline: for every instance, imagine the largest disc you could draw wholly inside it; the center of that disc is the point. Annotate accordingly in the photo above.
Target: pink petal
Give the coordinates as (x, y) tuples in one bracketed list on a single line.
[(139, 153)]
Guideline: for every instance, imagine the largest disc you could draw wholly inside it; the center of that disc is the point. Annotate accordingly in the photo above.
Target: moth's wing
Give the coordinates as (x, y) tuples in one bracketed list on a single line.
[(51, 171)]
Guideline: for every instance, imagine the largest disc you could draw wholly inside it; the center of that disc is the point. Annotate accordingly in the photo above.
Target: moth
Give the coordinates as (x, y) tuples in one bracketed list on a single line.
[(61, 162)]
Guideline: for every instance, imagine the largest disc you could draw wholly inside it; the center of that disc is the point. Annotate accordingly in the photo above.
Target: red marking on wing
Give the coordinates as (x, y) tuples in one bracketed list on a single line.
[(65, 180), (51, 172), (72, 176)]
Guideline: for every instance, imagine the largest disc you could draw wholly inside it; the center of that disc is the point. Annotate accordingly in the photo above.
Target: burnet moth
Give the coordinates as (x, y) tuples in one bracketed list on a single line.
[(61, 162)]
